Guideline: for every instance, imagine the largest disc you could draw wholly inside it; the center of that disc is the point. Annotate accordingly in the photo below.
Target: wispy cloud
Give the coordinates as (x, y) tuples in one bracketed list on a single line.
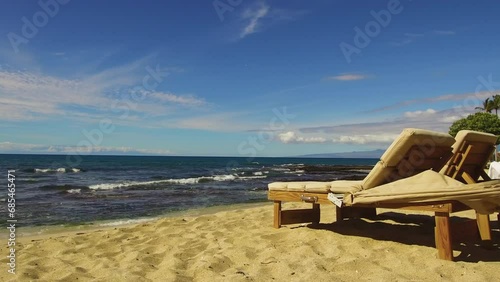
[(410, 37), (467, 99), (416, 114), (373, 134), (292, 137), (187, 100), (409, 34), (253, 16), (444, 32), (429, 119), (349, 77), (32, 96), (222, 122), (8, 147), (403, 42), (260, 16)]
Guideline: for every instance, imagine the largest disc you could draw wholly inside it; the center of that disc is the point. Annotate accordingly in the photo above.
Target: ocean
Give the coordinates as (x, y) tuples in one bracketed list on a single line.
[(60, 190)]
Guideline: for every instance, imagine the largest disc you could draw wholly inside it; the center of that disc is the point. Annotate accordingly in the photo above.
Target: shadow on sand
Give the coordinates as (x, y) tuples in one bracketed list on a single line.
[(417, 230)]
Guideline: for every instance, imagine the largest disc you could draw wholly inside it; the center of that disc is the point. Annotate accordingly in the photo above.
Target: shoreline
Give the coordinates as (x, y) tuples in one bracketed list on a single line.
[(43, 231)]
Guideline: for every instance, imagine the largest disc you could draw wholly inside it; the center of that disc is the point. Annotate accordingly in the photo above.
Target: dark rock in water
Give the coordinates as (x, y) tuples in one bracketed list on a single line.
[(353, 177), (335, 168)]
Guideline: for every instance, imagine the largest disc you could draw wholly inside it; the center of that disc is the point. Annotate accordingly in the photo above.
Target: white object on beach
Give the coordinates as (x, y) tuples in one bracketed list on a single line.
[(336, 199), (494, 170)]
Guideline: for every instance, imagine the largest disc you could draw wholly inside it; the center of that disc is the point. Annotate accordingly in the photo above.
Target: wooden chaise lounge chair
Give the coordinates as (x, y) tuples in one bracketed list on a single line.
[(427, 191), (446, 193), (414, 151), (471, 152)]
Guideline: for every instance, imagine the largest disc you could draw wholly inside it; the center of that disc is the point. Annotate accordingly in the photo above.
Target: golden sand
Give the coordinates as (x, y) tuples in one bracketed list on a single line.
[(240, 244)]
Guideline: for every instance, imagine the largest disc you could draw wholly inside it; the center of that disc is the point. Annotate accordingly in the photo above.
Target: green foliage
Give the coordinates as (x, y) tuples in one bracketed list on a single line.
[(490, 104), (496, 103), (484, 122), (487, 106)]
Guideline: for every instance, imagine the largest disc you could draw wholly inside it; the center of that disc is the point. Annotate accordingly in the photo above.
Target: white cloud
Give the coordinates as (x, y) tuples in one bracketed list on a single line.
[(409, 37), (468, 100), (223, 122), (291, 137), (109, 93), (444, 32), (260, 16), (408, 34), (188, 100), (348, 77), (253, 15), (371, 139), (8, 147), (417, 114)]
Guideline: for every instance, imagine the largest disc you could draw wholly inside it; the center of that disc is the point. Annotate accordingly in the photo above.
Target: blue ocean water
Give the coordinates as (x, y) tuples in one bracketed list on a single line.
[(68, 190)]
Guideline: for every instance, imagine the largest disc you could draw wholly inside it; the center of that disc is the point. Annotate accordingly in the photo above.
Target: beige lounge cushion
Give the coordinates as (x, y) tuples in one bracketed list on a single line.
[(340, 186), (300, 186), (414, 137), (346, 186), (466, 136), (399, 161), (472, 136)]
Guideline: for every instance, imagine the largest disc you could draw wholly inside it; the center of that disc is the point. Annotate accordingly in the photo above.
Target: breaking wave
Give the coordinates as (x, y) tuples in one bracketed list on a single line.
[(192, 180)]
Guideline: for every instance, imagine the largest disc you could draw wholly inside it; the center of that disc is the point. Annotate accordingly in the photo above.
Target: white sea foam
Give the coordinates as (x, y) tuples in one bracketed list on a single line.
[(194, 180), (109, 186), (280, 169), (292, 165), (184, 180), (126, 222), (253, 177), (58, 170), (258, 173), (74, 191), (227, 177)]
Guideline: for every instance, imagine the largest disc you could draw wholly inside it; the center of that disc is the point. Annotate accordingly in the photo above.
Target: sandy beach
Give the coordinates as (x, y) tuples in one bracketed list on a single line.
[(239, 244)]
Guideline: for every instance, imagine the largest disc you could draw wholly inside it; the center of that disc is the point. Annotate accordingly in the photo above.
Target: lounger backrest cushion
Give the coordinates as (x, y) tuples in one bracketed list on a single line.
[(471, 152), (414, 151)]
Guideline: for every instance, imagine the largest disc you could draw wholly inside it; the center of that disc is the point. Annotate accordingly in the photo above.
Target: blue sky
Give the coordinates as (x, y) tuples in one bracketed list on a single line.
[(238, 78)]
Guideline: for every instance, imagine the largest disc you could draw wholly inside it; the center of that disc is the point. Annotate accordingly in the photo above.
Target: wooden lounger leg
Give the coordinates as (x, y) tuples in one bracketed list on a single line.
[(338, 214), (316, 213), (483, 224), (277, 214), (443, 235)]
